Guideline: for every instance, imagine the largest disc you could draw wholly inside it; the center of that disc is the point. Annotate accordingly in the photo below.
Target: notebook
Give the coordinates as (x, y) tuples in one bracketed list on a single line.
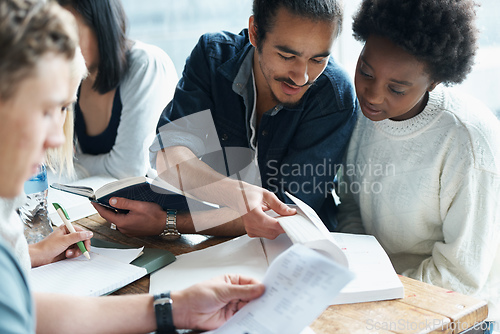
[(98, 276), (152, 258)]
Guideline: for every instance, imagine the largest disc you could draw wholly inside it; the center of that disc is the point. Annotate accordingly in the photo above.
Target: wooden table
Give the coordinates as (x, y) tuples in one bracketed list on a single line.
[(424, 309)]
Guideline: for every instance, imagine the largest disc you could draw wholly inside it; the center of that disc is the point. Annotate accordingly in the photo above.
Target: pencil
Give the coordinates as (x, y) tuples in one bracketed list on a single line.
[(65, 218)]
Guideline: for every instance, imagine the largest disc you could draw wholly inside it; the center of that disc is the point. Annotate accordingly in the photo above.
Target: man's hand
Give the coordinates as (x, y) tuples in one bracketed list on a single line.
[(143, 218), (252, 204), (210, 304), (59, 245)]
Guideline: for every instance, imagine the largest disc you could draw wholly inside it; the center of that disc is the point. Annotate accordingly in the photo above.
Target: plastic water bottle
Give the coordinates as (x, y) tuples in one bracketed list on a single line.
[(34, 212)]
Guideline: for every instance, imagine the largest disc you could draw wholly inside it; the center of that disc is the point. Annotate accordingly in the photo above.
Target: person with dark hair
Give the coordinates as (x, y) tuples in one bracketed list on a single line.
[(128, 85), (270, 98), (37, 48), (422, 171)]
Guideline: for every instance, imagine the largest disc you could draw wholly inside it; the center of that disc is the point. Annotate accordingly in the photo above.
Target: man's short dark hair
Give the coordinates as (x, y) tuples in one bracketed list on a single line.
[(107, 18), (440, 33), (265, 11)]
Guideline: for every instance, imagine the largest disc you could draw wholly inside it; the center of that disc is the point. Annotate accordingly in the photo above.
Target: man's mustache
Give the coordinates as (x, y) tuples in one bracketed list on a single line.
[(292, 83)]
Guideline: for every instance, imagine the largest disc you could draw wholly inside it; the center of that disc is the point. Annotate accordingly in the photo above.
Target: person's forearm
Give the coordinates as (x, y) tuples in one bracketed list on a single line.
[(180, 167), (219, 222), (112, 314), (34, 252)]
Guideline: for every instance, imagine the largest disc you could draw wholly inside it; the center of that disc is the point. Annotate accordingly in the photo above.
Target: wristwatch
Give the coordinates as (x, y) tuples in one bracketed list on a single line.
[(170, 232), (163, 311)]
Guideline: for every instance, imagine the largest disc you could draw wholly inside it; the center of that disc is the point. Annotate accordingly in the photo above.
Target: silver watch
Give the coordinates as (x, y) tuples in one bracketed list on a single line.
[(170, 232)]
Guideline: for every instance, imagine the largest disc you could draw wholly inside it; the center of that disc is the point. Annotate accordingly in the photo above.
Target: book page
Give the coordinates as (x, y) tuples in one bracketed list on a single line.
[(119, 184), (300, 284), (310, 213), (299, 228), (306, 228), (77, 206), (375, 278), (95, 277), (243, 255)]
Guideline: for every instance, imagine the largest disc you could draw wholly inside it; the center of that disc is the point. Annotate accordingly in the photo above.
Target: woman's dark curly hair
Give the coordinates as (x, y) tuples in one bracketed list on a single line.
[(440, 33)]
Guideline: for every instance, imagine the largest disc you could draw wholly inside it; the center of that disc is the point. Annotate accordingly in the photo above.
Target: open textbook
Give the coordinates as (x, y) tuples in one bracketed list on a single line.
[(140, 188), (375, 278)]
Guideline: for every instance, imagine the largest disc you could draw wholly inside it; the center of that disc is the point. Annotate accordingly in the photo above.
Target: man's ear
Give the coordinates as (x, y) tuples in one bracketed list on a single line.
[(252, 31), (433, 85)]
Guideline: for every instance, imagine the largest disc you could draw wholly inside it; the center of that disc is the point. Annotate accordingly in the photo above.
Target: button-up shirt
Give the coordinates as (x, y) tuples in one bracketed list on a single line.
[(299, 148)]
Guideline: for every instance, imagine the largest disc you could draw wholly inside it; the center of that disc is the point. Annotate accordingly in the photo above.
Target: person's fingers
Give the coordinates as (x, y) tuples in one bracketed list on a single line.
[(73, 238), (278, 206), (239, 279), (61, 230), (72, 253), (87, 241), (244, 292), (262, 225), (125, 204), (105, 213), (87, 244)]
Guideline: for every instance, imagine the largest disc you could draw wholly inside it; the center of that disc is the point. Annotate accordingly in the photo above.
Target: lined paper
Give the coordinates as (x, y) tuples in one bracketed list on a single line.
[(95, 277)]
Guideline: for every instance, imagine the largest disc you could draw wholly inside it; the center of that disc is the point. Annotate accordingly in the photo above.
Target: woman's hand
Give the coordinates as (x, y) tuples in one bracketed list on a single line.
[(59, 245)]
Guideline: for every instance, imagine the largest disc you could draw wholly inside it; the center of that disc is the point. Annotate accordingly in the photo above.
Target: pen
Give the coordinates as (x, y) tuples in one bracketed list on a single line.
[(65, 218)]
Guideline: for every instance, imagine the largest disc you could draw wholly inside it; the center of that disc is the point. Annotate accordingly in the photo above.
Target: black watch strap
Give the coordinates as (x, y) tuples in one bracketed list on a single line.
[(163, 311)]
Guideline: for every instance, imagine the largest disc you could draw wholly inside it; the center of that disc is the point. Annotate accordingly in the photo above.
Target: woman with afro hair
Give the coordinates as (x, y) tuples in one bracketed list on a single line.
[(422, 171)]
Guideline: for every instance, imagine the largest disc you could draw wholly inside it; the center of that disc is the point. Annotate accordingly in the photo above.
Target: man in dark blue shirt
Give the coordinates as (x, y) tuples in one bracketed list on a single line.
[(269, 99)]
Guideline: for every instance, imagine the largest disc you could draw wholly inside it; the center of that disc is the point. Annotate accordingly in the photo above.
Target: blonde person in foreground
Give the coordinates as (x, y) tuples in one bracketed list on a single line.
[(59, 244), (422, 171), (37, 46)]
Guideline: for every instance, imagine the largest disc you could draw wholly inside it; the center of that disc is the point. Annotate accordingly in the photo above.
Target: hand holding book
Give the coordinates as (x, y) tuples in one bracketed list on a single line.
[(139, 189)]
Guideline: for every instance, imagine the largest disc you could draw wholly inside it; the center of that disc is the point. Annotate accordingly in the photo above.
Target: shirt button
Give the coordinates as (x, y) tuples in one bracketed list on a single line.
[(224, 137), (264, 133)]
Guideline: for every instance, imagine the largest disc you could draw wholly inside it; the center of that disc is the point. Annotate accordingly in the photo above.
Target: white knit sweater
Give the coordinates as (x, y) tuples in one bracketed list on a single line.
[(428, 189)]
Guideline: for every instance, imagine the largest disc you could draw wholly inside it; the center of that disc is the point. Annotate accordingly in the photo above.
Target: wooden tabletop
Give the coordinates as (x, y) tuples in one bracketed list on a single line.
[(424, 309)]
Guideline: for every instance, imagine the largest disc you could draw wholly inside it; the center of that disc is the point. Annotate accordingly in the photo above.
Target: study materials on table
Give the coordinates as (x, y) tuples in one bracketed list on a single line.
[(375, 277), (300, 283), (140, 188), (112, 266)]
